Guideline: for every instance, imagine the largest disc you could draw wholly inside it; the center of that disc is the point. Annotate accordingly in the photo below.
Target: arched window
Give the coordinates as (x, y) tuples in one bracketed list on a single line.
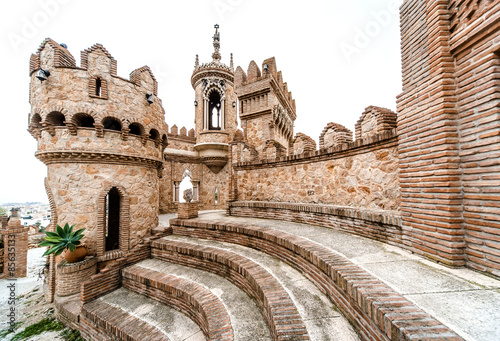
[(36, 121), (154, 134), (83, 120), (112, 221), (214, 111), (136, 129), (56, 119), (112, 124)]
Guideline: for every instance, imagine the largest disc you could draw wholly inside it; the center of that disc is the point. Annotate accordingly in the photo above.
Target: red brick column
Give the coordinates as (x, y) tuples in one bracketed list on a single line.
[(15, 238), (430, 174), (187, 210)]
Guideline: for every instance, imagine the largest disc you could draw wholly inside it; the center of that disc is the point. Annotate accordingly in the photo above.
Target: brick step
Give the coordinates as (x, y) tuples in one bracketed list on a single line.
[(321, 317), (275, 304), (194, 300), (100, 320), (126, 315), (375, 309), (246, 319)]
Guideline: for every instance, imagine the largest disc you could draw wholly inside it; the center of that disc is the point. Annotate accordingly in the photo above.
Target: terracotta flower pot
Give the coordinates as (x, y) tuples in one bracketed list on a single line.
[(76, 256)]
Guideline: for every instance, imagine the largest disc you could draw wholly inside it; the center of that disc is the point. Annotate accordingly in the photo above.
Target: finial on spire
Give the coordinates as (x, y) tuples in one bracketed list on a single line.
[(196, 62), (216, 37), (231, 65)]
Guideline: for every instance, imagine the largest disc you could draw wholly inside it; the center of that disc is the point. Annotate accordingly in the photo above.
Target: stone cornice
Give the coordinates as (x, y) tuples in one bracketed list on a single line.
[(69, 156)]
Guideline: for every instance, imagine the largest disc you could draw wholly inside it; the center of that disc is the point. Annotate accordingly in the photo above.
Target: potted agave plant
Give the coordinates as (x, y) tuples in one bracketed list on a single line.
[(65, 239)]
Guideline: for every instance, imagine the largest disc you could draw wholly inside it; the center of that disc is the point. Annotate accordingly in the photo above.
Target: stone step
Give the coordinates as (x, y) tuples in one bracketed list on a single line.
[(246, 320), (192, 299), (322, 319), (100, 320), (275, 304), (126, 315), (375, 309)]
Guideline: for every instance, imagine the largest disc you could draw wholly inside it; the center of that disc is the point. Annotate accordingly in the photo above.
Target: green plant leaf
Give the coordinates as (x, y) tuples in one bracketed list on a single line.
[(60, 231), (66, 228), (51, 234), (71, 247)]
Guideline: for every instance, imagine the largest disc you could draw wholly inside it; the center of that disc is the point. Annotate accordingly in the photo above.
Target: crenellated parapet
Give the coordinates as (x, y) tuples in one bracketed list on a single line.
[(93, 96), (303, 144), (375, 120), (334, 134), (267, 109)]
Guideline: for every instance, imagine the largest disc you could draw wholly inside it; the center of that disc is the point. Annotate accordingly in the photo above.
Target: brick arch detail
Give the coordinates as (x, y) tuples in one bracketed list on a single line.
[(51, 279), (88, 111), (124, 233), (67, 114)]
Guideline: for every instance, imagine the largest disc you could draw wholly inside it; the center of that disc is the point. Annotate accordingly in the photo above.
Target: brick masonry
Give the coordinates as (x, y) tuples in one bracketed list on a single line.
[(192, 299), (376, 310), (274, 302), (187, 210), (71, 275), (378, 225), (448, 131)]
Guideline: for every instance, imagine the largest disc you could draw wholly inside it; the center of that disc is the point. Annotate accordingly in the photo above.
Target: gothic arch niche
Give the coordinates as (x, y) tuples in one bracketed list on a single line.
[(214, 113), (113, 226)]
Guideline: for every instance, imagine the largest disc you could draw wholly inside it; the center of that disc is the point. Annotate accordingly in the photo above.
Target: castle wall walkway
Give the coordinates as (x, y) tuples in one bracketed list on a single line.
[(465, 301)]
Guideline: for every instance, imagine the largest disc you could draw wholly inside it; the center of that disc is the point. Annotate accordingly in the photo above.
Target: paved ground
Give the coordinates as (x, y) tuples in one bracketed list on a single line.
[(464, 300)]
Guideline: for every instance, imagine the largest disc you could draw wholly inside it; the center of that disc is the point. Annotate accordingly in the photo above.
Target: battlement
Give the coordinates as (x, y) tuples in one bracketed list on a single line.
[(92, 95), (255, 82), (267, 108)]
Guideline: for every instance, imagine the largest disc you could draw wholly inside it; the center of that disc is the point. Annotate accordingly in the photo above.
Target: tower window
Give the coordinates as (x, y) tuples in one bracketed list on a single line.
[(98, 87), (214, 111), (112, 228)]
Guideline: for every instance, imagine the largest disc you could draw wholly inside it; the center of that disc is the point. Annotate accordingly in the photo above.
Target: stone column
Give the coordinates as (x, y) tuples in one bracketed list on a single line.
[(15, 238)]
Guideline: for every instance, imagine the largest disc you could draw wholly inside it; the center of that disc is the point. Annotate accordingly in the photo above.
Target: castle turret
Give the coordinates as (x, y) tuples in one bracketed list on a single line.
[(215, 108), (267, 109), (101, 137)]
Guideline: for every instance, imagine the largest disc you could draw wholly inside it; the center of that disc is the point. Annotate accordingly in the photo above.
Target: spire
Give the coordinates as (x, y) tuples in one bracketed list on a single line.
[(196, 62), (231, 65), (216, 54)]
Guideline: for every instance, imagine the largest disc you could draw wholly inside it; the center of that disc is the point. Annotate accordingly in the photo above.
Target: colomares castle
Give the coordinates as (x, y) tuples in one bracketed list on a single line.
[(425, 179)]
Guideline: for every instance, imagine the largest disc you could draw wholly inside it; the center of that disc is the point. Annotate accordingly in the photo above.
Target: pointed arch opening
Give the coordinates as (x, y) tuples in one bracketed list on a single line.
[(214, 111), (112, 220), (113, 224)]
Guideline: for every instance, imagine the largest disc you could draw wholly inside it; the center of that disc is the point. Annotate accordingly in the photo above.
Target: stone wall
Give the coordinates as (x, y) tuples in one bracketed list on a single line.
[(77, 187), (361, 174)]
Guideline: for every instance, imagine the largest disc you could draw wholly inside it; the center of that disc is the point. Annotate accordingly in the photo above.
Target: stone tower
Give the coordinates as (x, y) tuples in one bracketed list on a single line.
[(215, 108), (102, 138), (267, 109)]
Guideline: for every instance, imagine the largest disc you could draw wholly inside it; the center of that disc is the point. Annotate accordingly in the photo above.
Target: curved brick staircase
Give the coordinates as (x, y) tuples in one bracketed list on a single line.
[(287, 286)]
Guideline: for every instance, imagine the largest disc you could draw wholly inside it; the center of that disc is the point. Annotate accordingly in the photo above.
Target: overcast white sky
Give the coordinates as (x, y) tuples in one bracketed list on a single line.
[(337, 56)]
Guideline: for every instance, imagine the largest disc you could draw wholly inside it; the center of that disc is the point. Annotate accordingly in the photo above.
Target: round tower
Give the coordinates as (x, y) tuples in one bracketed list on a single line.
[(102, 138), (215, 108)]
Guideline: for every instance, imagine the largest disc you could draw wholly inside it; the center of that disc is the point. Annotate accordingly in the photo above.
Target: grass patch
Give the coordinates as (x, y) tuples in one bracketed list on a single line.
[(7, 331), (45, 325), (71, 335)]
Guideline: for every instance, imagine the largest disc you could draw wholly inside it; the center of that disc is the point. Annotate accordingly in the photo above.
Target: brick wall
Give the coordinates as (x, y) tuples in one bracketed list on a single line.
[(378, 225), (429, 157), (475, 45), (71, 275), (448, 126)]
